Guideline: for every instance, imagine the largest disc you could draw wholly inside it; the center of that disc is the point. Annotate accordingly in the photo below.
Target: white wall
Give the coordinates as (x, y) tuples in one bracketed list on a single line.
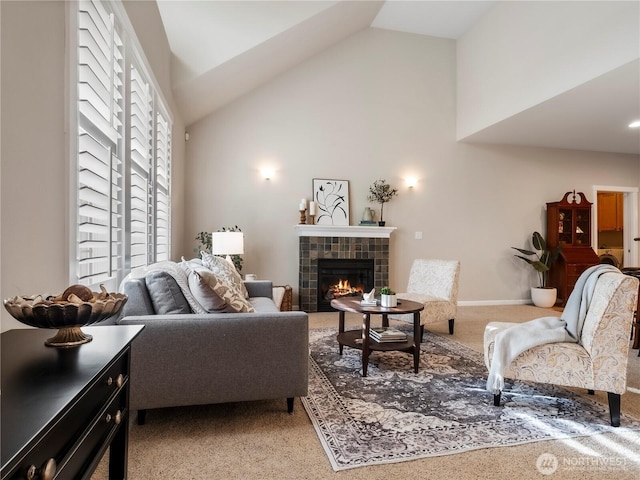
[(35, 168), (380, 104), (569, 43)]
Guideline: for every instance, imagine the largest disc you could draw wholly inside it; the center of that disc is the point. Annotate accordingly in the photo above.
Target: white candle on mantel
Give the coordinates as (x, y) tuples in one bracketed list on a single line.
[(312, 208), (303, 204)]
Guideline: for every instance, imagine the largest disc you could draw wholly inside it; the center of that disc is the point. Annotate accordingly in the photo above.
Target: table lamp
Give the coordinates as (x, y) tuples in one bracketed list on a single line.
[(227, 243)]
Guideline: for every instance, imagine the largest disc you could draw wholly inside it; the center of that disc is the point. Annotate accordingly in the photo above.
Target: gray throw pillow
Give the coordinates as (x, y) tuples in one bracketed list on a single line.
[(166, 295)]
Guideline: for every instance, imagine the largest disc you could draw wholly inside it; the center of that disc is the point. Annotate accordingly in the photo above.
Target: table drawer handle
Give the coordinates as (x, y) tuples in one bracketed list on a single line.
[(47, 472), (118, 418), (119, 381)]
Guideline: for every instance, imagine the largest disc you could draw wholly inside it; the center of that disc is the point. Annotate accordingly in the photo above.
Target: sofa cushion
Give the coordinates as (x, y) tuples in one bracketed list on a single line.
[(166, 296), (225, 271), (204, 292), (264, 305)]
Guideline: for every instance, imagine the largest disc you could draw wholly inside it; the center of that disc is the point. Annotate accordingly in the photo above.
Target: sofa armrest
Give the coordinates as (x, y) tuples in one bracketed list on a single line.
[(259, 288)]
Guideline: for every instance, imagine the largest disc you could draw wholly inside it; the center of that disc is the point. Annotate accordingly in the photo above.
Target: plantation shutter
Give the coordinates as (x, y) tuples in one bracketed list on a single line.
[(163, 206), (141, 170), (123, 170), (100, 129)]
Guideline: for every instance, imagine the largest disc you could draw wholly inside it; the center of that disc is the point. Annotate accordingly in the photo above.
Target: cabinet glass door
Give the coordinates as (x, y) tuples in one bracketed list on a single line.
[(583, 231), (565, 225)]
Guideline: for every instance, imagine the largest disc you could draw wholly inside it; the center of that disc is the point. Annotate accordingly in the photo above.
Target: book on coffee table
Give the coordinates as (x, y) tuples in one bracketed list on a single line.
[(382, 335)]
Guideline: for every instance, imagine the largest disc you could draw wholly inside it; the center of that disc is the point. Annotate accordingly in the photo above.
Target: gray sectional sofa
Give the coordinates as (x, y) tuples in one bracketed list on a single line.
[(202, 358)]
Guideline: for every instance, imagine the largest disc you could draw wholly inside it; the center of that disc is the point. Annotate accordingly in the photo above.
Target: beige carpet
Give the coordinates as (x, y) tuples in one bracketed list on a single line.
[(259, 440)]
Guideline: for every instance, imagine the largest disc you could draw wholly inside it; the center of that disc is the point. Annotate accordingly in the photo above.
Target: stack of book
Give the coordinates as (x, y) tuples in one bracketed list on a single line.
[(383, 335)]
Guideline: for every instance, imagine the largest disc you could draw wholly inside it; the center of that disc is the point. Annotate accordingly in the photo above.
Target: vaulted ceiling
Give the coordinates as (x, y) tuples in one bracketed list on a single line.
[(224, 49)]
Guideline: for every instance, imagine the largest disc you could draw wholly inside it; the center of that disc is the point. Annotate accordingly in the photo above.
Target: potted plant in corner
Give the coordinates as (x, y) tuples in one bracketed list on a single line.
[(543, 295), (381, 192), (388, 297)]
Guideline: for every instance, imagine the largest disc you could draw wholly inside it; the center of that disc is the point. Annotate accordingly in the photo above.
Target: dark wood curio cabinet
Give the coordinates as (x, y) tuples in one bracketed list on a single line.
[(569, 225)]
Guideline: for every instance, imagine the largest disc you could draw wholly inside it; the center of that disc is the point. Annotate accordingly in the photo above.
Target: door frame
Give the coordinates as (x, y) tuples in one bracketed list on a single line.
[(630, 199)]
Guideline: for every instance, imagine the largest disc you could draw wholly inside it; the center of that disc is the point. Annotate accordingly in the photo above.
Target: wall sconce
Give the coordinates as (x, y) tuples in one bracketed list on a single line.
[(267, 173), (411, 181)]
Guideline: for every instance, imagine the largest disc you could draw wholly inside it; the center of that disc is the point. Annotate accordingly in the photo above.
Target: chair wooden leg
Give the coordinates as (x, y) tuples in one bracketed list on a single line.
[(421, 333), (142, 417), (290, 404), (591, 392), (496, 399), (451, 326), (614, 408)]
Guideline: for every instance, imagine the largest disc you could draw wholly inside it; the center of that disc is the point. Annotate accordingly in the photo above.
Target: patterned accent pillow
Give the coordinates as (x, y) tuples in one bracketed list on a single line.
[(234, 301), (201, 287), (225, 271)]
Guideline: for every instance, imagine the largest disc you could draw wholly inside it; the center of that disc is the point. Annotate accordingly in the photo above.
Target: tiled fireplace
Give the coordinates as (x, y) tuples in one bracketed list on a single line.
[(370, 244)]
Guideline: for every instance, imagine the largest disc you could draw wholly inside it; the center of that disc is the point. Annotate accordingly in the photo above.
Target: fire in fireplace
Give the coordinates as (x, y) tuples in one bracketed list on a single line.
[(343, 289), (339, 277)]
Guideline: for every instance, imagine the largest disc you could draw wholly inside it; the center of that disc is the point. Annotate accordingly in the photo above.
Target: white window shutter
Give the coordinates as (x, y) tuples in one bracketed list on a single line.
[(123, 198)]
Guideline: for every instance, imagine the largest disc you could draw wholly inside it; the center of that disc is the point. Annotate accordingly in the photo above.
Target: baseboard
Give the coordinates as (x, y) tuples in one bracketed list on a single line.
[(480, 303)]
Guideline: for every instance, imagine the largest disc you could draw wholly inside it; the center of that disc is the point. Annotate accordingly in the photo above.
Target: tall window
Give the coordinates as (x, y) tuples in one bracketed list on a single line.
[(123, 146)]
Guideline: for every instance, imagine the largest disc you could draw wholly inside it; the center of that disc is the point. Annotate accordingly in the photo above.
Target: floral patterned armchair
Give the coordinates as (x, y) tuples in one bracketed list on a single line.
[(434, 283), (598, 361)]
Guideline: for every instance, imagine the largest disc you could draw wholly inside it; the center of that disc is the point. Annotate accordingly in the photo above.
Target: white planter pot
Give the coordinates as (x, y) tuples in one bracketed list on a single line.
[(544, 297), (388, 300)]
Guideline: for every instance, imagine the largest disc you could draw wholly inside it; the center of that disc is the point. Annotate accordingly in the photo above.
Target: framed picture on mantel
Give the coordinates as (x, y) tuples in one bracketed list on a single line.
[(332, 201)]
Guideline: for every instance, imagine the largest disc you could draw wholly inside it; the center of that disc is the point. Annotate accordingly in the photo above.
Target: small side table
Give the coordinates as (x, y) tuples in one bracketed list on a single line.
[(361, 340)]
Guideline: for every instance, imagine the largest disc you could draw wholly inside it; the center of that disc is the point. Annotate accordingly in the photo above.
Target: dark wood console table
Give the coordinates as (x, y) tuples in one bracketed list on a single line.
[(63, 407)]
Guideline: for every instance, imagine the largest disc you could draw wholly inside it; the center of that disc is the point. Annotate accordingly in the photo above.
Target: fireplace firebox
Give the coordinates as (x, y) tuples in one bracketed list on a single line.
[(340, 277)]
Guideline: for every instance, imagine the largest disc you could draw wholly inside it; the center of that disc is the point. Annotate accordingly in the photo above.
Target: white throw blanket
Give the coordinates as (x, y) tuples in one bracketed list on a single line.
[(512, 341)]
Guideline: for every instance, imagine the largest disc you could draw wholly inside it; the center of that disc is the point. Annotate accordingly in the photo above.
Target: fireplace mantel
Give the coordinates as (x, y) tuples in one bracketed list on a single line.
[(344, 231)]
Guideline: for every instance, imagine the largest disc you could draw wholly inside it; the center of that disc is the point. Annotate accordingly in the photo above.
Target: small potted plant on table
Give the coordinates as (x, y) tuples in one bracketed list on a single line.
[(388, 297)]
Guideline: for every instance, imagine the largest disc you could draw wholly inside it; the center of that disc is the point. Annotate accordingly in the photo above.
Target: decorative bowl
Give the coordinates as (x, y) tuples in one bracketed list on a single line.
[(67, 316)]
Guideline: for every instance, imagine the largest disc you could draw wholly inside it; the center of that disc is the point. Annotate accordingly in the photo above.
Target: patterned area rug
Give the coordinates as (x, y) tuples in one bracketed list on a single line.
[(394, 415)]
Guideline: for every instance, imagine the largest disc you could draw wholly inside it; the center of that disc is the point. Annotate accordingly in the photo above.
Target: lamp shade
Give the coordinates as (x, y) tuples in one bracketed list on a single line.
[(227, 243)]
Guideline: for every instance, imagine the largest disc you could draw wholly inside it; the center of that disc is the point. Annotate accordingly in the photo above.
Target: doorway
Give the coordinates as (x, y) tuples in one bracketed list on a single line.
[(615, 224)]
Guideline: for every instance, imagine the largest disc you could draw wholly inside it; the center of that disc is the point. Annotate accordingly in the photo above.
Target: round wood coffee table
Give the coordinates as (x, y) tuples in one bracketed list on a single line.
[(361, 340)]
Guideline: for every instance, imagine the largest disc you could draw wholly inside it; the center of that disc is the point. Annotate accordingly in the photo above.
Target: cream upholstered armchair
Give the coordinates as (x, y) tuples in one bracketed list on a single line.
[(598, 361), (434, 283)]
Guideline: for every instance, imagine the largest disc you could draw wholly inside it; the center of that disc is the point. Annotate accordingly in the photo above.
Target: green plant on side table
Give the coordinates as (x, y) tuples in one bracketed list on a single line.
[(388, 297), (543, 258)]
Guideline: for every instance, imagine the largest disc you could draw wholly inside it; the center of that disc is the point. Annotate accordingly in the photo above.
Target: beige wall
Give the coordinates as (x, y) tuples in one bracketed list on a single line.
[(381, 104), (579, 42), (34, 256)]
